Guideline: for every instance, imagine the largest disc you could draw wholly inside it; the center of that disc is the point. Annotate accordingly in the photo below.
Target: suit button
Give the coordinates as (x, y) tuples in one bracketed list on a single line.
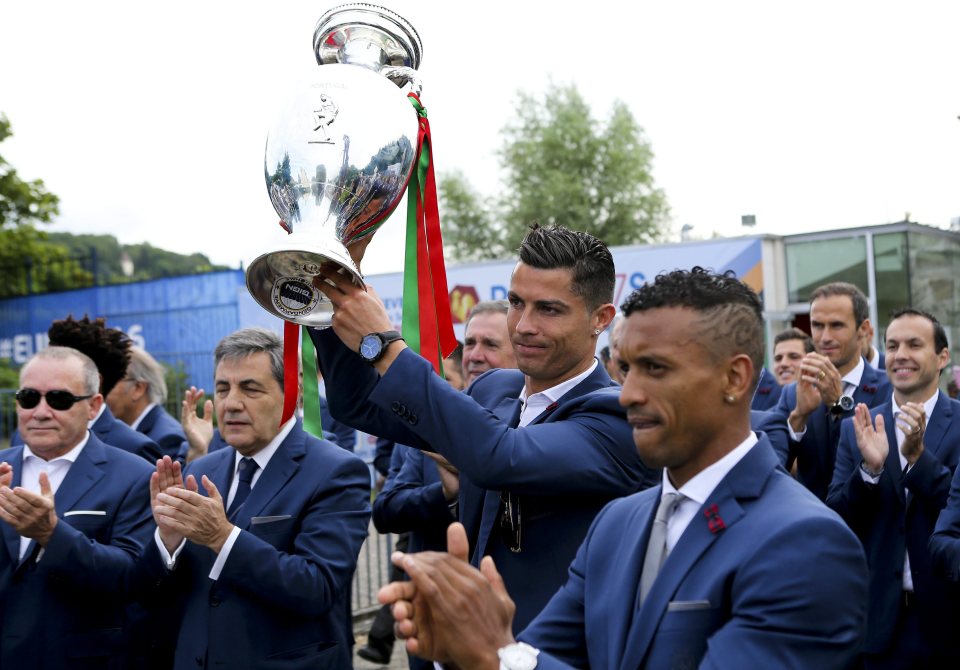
[(395, 406), (413, 419), (215, 601)]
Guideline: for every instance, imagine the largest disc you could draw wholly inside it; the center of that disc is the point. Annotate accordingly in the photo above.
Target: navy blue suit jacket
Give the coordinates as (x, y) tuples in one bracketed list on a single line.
[(67, 609), (945, 543), (782, 584), (116, 433), (888, 524), (767, 393), (773, 426), (412, 501), (279, 601), (167, 432), (565, 466), (816, 452)]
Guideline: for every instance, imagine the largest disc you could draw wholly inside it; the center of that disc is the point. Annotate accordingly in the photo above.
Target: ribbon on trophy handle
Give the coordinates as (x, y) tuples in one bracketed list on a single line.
[(293, 349), (427, 324)]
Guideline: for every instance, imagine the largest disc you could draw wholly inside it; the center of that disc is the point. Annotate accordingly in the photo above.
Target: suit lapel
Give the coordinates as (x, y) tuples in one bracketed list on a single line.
[(82, 476), (745, 481), (149, 420), (10, 536), (938, 424), (221, 472), (623, 628), (282, 466), (508, 411)]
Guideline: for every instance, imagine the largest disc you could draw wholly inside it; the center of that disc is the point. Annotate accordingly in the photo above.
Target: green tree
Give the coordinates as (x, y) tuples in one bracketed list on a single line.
[(561, 166), (22, 202), (29, 260), (468, 230)]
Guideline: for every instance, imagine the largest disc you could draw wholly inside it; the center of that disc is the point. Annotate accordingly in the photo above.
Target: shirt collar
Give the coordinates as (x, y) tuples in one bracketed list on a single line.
[(855, 375), (70, 456), (554, 393), (874, 357), (143, 414), (702, 484), (263, 456), (928, 404)]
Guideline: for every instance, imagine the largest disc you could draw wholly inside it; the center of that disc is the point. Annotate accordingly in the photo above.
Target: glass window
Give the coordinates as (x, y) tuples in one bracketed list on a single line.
[(935, 278), (893, 279), (810, 264)]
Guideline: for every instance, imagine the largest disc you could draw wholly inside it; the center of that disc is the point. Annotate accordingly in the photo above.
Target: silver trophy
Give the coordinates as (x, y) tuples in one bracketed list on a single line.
[(339, 158)]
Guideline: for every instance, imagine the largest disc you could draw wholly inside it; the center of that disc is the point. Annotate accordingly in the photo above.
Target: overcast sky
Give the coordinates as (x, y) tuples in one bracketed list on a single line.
[(149, 119)]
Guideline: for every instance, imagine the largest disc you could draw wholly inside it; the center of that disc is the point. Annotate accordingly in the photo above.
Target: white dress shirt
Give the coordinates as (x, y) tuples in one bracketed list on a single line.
[(696, 491), (56, 469), (262, 458), (535, 405)]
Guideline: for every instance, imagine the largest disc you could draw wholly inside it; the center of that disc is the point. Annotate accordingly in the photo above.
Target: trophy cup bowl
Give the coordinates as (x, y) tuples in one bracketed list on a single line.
[(339, 157)]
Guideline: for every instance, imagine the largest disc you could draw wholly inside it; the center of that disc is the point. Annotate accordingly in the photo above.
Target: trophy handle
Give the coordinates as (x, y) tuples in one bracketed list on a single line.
[(402, 76)]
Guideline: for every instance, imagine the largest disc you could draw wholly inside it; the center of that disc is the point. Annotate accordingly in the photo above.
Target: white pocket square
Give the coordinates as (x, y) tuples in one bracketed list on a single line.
[(257, 520), (88, 512), (687, 605)]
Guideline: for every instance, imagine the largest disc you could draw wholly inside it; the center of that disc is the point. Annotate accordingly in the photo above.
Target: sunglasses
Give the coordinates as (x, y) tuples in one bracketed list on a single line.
[(60, 400)]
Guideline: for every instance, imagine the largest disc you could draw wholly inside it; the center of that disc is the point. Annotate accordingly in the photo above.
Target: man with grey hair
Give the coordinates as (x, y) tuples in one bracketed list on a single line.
[(138, 400), (260, 565), (75, 515), (486, 340), (613, 362)]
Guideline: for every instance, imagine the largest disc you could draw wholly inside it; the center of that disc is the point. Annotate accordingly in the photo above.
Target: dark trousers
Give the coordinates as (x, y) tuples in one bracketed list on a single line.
[(381, 630)]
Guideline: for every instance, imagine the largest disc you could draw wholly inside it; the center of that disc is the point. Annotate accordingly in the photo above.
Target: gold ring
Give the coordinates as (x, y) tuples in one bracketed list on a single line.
[(822, 375)]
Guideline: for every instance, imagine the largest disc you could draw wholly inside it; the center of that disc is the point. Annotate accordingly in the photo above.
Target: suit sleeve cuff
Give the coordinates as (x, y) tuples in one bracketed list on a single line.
[(224, 554), (168, 560), (868, 477)]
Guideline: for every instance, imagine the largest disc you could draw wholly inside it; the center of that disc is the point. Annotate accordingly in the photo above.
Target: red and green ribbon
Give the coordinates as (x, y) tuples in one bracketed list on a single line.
[(292, 346), (427, 323), (311, 387)]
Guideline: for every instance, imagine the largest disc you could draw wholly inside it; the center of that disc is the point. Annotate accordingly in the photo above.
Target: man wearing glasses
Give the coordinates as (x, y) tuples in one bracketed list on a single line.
[(75, 515), (541, 449)]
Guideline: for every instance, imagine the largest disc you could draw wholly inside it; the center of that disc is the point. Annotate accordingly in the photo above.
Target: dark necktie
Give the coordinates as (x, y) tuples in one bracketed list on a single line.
[(245, 472)]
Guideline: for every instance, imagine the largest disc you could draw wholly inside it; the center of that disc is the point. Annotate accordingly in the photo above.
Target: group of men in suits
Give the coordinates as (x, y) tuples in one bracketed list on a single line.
[(243, 559), (727, 561)]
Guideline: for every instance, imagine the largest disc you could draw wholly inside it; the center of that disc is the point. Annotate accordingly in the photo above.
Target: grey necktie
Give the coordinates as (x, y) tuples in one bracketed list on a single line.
[(657, 546)]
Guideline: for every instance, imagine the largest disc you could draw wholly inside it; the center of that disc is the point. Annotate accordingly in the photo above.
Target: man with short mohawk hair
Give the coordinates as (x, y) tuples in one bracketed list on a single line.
[(729, 563)]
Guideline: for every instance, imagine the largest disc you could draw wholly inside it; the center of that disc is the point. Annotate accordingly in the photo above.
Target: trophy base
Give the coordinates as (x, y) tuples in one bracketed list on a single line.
[(283, 282)]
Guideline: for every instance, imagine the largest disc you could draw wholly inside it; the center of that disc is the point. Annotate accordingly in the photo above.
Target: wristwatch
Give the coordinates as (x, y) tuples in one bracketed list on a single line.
[(844, 404), (518, 656), (373, 346)]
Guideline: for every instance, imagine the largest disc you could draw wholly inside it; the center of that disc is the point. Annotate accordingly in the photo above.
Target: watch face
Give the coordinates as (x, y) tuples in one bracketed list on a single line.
[(370, 347), (519, 657), (846, 403)]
